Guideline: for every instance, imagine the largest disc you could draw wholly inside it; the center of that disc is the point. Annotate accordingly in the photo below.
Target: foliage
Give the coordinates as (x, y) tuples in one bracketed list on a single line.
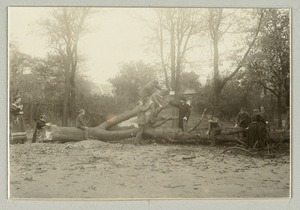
[(131, 77)]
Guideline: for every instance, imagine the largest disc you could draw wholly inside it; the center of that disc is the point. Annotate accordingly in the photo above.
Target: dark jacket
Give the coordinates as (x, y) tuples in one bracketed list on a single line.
[(40, 124), (184, 109)]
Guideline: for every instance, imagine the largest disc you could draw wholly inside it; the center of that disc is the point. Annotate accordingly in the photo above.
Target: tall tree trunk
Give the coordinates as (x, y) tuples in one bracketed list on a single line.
[(65, 114), (216, 90), (279, 109)]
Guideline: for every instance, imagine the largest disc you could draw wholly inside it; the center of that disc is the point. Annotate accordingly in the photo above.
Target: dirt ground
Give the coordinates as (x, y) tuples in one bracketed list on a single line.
[(99, 170)]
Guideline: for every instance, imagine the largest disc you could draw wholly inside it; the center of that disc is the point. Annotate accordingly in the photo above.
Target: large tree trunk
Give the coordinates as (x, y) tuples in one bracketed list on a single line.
[(102, 132)]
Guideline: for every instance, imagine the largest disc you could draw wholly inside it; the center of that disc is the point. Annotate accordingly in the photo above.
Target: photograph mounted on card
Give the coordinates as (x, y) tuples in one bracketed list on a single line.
[(149, 103)]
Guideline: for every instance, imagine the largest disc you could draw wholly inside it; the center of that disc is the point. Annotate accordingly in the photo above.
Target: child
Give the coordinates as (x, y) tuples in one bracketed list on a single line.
[(214, 129), (141, 120), (80, 123), (40, 125)]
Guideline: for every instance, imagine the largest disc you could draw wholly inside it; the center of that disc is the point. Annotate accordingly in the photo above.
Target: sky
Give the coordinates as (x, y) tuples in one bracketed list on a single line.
[(119, 35)]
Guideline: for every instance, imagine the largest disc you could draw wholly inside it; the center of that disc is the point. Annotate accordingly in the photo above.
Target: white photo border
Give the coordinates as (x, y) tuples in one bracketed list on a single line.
[(261, 204)]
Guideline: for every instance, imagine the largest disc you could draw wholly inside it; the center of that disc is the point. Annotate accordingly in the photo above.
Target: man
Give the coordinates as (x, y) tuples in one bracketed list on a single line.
[(184, 112), (80, 123), (40, 125), (257, 130), (141, 121), (148, 90)]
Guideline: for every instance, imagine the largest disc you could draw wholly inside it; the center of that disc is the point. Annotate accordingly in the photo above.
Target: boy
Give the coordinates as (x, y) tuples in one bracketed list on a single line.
[(40, 125), (80, 123)]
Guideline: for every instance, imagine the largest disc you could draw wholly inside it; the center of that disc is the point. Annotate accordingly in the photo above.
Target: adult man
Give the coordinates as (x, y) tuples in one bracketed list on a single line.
[(257, 130), (80, 123), (184, 112)]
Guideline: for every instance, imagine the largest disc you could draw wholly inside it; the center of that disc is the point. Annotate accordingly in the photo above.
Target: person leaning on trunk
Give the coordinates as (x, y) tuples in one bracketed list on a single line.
[(81, 124), (184, 112)]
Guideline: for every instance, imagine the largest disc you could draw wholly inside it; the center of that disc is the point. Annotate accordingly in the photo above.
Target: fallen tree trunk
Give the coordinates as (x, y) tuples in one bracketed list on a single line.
[(102, 132)]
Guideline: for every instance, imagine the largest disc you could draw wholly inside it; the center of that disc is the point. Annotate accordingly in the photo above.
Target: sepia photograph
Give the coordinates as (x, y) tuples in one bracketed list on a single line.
[(135, 103)]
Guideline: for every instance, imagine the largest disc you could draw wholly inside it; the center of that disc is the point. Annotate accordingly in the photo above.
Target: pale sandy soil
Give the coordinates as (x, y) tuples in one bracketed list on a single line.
[(94, 169)]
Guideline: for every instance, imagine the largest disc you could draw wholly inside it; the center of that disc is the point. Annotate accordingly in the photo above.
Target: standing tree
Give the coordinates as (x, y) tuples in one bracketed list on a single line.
[(217, 27), (64, 29), (173, 33), (131, 77), (270, 63)]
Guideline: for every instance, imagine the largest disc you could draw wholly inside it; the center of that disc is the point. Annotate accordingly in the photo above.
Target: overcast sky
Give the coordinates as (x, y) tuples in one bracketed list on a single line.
[(119, 36)]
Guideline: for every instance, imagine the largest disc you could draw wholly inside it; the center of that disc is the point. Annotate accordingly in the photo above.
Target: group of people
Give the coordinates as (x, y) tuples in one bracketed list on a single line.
[(153, 97), (257, 125), (17, 122)]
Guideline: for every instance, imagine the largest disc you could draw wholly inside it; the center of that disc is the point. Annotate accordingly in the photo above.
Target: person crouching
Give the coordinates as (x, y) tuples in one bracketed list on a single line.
[(80, 123)]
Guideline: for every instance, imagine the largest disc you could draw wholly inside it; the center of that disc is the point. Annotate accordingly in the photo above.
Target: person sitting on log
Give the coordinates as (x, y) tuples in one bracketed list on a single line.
[(257, 130), (80, 123), (40, 125), (147, 90), (214, 129), (141, 121), (243, 120), (184, 112)]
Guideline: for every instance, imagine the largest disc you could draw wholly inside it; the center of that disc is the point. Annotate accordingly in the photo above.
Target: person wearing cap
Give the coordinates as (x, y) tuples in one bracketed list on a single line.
[(40, 125), (184, 112), (147, 90), (80, 123)]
